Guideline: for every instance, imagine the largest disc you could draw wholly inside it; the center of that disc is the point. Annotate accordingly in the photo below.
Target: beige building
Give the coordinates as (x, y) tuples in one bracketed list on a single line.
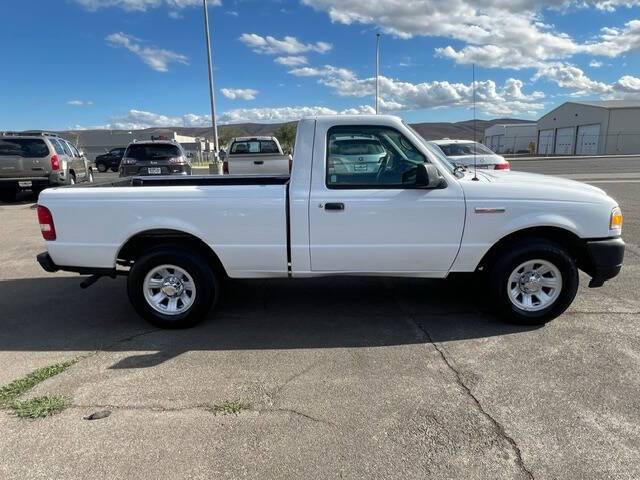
[(510, 137), (607, 127)]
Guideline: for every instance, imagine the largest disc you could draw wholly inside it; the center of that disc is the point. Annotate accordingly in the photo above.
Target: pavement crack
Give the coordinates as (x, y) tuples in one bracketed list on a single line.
[(299, 414), (497, 426)]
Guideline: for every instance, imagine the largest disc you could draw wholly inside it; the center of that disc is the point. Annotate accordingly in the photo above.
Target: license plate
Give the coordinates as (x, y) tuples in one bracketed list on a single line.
[(154, 170), (25, 183)]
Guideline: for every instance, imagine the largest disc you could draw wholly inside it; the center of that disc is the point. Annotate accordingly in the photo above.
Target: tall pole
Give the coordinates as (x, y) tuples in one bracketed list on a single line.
[(377, 69), (213, 102)]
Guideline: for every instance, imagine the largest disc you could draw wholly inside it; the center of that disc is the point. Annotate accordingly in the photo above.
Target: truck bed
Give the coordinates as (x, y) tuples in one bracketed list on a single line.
[(186, 180)]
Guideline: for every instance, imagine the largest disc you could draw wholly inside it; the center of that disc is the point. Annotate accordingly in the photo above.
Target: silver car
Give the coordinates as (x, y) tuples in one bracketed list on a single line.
[(37, 160)]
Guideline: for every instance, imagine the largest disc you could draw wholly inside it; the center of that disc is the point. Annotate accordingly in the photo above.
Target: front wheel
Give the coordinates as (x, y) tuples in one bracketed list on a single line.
[(534, 282), (171, 288), (101, 167)]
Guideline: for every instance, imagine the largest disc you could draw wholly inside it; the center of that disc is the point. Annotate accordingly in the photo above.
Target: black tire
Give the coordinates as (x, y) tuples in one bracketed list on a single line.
[(513, 256), (101, 167), (205, 280), (8, 194)]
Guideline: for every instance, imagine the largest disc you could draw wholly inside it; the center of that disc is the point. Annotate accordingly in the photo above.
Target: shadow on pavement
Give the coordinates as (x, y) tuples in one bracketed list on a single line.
[(54, 314)]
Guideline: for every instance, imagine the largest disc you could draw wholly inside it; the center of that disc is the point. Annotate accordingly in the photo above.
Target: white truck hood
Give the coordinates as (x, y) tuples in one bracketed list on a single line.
[(532, 185)]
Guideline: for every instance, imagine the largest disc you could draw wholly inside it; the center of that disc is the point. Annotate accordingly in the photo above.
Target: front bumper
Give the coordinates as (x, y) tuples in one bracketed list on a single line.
[(605, 259)]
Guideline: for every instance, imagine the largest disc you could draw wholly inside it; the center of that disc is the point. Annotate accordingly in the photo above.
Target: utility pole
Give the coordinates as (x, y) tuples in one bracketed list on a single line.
[(377, 69), (213, 102)]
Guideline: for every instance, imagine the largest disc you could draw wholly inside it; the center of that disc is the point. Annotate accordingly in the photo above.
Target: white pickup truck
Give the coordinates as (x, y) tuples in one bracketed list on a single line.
[(256, 155), (414, 215)]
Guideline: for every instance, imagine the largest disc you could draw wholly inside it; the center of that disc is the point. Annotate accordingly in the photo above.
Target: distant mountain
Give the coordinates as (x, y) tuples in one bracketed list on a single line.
[(430, 131)]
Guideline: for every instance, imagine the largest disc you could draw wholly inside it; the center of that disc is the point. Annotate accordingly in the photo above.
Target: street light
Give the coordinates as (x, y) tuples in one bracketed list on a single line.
[(377, 69), (213, 102)]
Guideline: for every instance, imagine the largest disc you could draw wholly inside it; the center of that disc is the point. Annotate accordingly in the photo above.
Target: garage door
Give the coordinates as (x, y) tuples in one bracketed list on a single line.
[(588, 136), (545, 142), (564, 141)]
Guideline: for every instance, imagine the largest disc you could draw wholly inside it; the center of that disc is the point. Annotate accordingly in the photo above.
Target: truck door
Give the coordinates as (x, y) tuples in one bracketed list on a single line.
[(365, 217)]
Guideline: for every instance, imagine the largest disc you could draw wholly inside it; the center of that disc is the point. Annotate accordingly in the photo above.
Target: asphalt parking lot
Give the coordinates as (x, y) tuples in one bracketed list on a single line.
[(338, 378)]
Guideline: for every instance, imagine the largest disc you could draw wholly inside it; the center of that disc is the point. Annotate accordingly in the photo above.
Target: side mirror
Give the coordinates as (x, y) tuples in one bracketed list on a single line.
[(427, 176)]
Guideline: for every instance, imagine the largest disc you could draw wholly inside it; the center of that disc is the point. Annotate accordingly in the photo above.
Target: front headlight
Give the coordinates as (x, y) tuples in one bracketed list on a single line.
[(616, 219)]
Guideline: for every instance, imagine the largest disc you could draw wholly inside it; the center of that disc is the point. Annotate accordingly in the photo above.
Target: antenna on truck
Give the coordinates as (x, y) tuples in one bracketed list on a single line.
[(473, 85)]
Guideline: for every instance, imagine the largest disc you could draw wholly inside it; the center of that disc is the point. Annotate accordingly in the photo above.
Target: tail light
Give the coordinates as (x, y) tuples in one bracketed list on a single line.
[(55, 162), (46, 223), (177, 160), (502, 166), (225, 168), (129, 161)]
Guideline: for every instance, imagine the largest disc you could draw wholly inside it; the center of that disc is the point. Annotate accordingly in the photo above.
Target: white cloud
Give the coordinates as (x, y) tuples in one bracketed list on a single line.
[(595, 64), (142, 5), (175, 15), (239, 93), (157, 58), (494, 33), (571, 77), (288, 45), (292, 60), (396, 95), (79, 103), (139, 119), (286, 114)]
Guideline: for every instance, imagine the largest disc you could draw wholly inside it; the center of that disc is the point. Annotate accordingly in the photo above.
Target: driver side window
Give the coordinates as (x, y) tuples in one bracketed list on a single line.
[(370, 157)]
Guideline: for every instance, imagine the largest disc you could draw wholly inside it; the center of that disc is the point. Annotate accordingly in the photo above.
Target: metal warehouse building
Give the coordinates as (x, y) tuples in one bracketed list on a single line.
[(606, 127), (510, 137)]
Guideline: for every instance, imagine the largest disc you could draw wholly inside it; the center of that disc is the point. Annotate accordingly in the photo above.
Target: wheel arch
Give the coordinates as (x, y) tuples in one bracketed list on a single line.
[(142, 241), (562, 236)]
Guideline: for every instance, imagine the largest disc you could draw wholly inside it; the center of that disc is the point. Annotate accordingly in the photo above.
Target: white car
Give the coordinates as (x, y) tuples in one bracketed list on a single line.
[(416, 215), (465, 152)]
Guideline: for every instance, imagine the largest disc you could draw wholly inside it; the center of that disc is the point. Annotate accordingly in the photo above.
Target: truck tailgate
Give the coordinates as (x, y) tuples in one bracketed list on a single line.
[(258, 164)]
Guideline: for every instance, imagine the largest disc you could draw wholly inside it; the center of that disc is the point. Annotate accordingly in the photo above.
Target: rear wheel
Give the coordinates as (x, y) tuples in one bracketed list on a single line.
[(534, 282), (171, 288), (101, 167), (72, 178), (90, 176)]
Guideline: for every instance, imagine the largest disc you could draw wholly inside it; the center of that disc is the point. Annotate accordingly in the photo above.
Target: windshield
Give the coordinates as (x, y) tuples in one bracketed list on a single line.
[(460, 149), (435, 151), (23, 147), (152, 151)]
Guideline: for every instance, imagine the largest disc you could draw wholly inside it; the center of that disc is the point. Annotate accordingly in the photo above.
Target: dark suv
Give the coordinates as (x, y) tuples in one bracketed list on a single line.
[(110, 160), (154, 158)]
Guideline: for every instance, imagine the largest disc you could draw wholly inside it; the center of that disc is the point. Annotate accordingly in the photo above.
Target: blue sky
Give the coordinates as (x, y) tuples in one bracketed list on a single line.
[(141, 63)]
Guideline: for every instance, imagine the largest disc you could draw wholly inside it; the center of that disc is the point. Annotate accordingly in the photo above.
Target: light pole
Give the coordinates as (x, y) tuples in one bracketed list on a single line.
[(213, 102), (377, 69)]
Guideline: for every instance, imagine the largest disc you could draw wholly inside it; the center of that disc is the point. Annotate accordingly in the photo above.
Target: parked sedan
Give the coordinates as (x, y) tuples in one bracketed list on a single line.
[(154, 158), (466, 152), (110, 160)]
